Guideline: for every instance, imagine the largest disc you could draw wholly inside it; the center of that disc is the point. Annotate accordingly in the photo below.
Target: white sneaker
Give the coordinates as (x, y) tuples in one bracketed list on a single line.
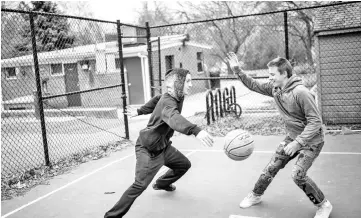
[(324, 210), (250, 200)]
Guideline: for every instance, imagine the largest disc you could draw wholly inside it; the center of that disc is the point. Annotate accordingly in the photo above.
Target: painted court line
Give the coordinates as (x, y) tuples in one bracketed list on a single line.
[(65, 186), (238, 216), (79, 179), (270, 152)]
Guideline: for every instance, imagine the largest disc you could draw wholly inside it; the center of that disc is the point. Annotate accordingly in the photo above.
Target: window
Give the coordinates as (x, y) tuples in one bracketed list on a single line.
[(169, 62), (57, 69), (10, 73), (199, 61)]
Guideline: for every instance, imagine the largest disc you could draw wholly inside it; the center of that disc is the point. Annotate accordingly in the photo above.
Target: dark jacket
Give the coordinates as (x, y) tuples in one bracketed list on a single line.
[(165, 119), (296, 105)]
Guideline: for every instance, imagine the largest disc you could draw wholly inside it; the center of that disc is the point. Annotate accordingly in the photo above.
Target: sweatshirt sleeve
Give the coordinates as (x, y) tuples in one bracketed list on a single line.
[(254, 85), (307, 103), (148, 107), (171, 116)]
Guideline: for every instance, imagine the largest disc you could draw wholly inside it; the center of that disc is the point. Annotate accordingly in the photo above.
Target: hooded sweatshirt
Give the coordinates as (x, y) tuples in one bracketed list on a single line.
[(166, 116), (296, 105)]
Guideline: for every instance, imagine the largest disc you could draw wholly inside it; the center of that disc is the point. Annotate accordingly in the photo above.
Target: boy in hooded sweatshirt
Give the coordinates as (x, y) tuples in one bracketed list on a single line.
[(305, 137), (153, 147)]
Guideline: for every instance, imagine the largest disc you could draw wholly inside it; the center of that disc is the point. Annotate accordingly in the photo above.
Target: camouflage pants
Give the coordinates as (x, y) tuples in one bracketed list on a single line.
[(299, 173)]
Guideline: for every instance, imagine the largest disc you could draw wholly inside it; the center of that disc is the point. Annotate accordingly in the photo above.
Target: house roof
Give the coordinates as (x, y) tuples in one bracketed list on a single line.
[(338, 17), (89, 51)]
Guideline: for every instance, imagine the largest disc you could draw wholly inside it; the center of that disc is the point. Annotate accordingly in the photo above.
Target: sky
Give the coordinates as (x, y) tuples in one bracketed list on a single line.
[(125, 11)]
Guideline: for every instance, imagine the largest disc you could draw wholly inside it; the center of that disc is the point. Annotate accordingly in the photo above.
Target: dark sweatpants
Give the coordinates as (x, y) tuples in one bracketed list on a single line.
[(147, 167)]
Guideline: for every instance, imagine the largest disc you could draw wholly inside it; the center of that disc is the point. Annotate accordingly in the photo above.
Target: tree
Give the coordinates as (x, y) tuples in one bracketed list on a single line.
[(156, 14), (300, 24), (86, 32), (228, 35), (10, 30), (52, 32)]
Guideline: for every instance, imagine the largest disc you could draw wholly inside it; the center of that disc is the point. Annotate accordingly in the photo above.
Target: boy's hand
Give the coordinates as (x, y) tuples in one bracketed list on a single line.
[(233, 61), (206, 138), (131, 111), (292, 148)]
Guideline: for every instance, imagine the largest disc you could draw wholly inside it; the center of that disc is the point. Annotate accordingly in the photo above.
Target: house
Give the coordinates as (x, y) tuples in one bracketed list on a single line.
[(94, 66), (338, 51), (181, 53)]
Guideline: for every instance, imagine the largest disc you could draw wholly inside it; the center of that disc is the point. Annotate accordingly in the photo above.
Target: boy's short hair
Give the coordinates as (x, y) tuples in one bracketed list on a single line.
[(282, 64)]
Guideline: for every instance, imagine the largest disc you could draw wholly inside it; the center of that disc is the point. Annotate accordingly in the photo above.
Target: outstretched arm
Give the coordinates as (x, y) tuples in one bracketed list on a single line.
[(148, 107), (177, 122), (252, 84)]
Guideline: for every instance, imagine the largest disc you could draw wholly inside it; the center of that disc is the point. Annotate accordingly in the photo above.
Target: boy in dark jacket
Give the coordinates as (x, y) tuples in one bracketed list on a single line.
[(305, 137), (153, 147)]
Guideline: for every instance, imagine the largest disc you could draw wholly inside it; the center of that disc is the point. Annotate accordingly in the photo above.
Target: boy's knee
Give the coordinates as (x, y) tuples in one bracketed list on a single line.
[(141, 185), (298, 174)]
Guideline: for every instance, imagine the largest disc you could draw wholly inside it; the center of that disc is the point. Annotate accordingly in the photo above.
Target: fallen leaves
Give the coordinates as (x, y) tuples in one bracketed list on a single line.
[(13, 185)]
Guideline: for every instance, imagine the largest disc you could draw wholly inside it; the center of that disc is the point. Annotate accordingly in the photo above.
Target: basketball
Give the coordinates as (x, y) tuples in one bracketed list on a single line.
[(238, 145)]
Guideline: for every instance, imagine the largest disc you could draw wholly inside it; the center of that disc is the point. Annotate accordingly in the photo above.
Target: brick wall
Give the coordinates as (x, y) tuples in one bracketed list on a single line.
[(185, 55)]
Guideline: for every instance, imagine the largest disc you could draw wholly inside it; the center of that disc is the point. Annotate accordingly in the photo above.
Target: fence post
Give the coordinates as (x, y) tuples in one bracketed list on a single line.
[(149, 49), (38, 90), (160, 67), (124, 95), (286, 34)]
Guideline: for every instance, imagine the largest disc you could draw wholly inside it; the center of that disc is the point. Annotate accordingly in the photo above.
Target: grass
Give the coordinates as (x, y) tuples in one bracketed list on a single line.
[(261, 124)]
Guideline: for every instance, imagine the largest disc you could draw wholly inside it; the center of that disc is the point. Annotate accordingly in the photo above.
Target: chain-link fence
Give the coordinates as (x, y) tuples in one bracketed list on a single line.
[(62, 88), (257, 39), (63, 77)]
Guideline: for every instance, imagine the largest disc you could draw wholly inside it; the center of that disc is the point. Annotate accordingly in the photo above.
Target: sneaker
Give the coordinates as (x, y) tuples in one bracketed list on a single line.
[(169, 188), (250, 200), (324, 210)]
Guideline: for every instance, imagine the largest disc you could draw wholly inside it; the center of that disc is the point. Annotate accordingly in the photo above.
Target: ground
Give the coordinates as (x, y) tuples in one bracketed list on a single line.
[(213, 187)]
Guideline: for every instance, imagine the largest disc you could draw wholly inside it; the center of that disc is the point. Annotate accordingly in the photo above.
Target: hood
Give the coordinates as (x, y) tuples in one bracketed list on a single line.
[(293, 81), (179, 79)]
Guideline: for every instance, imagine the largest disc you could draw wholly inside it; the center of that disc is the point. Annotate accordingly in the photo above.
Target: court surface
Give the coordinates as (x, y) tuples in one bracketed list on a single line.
[(213, 187)]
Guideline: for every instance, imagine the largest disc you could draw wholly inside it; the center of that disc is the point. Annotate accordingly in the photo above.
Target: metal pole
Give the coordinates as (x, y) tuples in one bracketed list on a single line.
[(38, 89), (207, 106), (160, 67), (149, 49), (124, 95), (220, 101), (286, 34)]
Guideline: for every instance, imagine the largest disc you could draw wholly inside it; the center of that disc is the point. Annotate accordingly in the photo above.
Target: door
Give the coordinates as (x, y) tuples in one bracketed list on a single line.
[(72, 84), (135, 80)]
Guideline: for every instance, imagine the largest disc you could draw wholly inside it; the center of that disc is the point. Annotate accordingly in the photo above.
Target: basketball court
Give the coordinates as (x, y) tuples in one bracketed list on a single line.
[(213, 187)]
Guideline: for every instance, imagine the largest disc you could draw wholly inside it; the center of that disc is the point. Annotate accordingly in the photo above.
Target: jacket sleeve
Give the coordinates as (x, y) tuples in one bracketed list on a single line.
[(171, 116), (254, 85), (314, 123), (148, 107)]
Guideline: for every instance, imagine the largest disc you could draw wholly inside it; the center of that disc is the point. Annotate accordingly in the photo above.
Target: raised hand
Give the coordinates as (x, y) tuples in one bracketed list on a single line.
[(206, 139), (233, 61)]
